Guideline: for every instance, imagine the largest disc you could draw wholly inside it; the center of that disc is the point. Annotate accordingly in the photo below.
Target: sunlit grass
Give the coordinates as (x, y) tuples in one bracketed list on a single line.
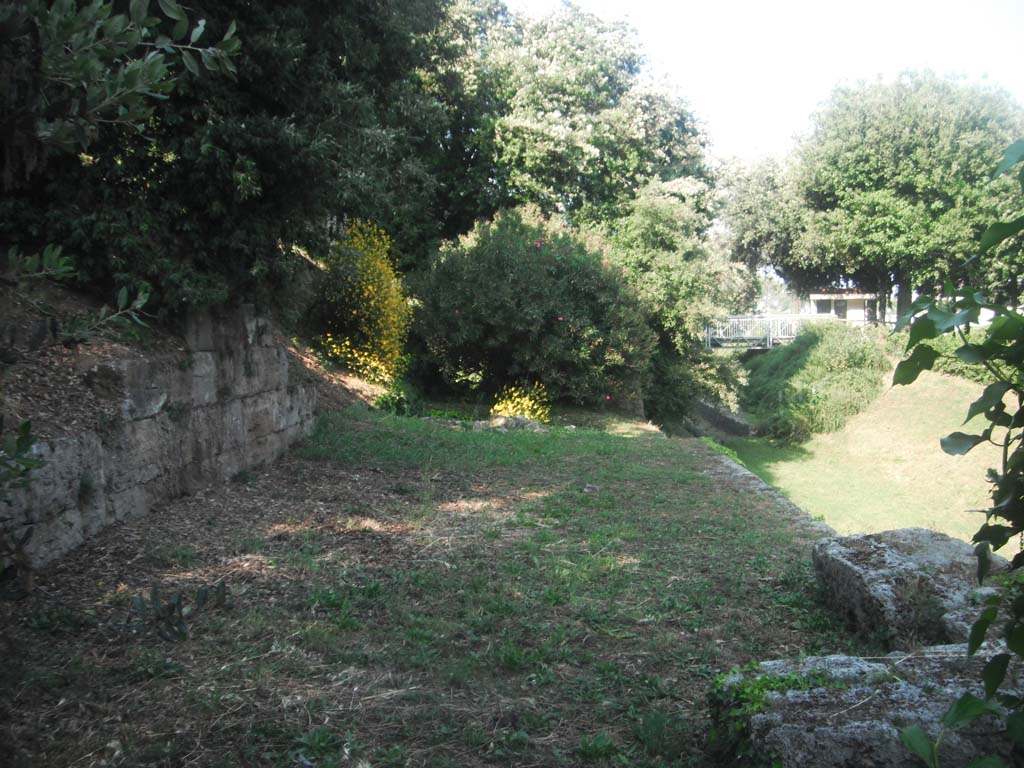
[(885, 469)]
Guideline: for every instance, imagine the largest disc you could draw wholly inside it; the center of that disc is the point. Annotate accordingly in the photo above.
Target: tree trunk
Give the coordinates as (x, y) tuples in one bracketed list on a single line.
[(904, 297), (884, 289)]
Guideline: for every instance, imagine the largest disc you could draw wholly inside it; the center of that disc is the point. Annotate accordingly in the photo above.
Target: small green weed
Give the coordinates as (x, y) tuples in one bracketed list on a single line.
[(600, 746), (175, 555)]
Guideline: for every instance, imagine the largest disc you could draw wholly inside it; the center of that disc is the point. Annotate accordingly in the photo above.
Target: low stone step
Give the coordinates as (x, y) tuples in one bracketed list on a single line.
[(847, 712)]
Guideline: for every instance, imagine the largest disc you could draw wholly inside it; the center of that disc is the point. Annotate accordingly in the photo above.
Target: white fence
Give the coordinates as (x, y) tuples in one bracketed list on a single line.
[(761, 331), (755, 330)]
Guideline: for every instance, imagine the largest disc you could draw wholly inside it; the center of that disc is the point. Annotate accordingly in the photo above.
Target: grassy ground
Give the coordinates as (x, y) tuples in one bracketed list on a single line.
[(885, 469), (402, 593)]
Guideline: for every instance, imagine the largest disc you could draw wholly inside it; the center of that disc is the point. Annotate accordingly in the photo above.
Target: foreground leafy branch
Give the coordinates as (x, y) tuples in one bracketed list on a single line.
[(79, 66), (1001, 405)]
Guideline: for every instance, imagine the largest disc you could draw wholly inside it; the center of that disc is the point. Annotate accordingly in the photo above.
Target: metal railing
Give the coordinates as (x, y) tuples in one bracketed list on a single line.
[(754, 330), (763, 331)]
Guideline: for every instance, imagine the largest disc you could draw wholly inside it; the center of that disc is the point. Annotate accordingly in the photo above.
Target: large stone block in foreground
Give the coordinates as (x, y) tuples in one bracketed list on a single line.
[(904, 588), (847, 712)]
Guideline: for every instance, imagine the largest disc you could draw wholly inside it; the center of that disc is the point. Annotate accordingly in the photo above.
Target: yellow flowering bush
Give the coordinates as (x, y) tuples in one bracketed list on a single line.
[(363, 307), (532, 402)]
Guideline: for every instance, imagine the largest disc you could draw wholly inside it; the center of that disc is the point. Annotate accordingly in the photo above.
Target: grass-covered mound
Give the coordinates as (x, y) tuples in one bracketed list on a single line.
[(829, 372)]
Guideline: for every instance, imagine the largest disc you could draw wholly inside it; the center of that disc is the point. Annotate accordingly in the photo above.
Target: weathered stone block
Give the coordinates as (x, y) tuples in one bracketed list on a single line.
[(203, 369), (845, 712), (907, 587)]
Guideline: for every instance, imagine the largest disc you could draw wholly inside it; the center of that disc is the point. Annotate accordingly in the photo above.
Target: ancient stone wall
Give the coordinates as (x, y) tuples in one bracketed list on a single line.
[(233, 401)]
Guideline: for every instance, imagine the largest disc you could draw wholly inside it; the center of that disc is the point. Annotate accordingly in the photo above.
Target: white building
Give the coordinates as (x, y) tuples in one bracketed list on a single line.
[(852, 306)]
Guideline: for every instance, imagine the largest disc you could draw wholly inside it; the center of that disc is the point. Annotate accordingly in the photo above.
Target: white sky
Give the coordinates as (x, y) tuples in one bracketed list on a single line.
[(753, 72)]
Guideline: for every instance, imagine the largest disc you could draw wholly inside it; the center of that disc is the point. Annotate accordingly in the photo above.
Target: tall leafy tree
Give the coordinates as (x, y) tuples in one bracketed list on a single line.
[(891, 188), (578, 132)]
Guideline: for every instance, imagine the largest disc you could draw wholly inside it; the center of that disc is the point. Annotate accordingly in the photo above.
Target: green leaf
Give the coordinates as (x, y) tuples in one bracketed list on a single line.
[(966, 710), (180, 30), (994, 673), (960, 443), (921, 302), (139, 10), (992, 396), (1015, 639), (919, 743), (1006, 327), (172, 10), (198, 31), (122, 298), (973, 354), (232, 28), (923, 328), (1001, 230), (979, 629), (983, 551), (987, 762), (1013, 155), (942, 319), (190, 63), (1015, 726), (908, 370)]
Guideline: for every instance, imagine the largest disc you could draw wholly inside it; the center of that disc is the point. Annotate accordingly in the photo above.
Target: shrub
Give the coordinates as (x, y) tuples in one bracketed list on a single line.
[(401, 400), (521, 298), (828, 373), (677, 381), (362, 311), (532, 402)]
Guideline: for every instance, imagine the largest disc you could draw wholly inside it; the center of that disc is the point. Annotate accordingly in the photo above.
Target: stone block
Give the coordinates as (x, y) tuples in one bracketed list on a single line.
[(203, 370), (845, 712), (906, 587)]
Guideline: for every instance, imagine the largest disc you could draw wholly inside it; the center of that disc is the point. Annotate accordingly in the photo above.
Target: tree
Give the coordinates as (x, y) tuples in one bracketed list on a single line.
[(891, 188), (327, 120), (578, 133), (661, 245)]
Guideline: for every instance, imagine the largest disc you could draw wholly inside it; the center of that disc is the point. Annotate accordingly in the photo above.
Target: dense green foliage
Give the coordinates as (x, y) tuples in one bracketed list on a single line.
[(70, 69), (1000, 351), (892, 188), (829, 372), (327, 119), (209, 189), (522, 299), (421, 121), (578, 132), (683, 279)]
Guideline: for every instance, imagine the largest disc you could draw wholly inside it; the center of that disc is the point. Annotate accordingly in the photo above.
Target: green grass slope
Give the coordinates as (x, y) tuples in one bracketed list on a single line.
[(828, 373), (885, 468)]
